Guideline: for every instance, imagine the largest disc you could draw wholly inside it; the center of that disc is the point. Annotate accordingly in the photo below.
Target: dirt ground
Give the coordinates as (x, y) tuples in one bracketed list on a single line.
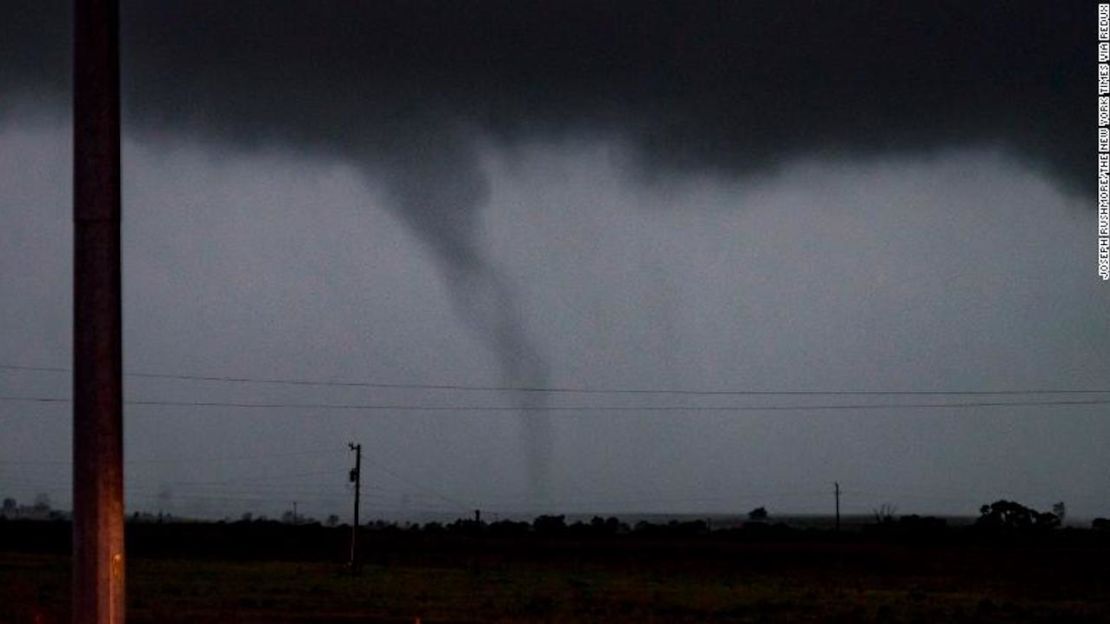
[(482, 581)]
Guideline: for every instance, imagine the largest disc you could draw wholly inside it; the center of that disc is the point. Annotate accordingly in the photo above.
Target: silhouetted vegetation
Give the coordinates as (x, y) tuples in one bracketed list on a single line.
[(1010, 516), (549, 525), (253, 537), (885, 514), (562, 570), (40, 509)]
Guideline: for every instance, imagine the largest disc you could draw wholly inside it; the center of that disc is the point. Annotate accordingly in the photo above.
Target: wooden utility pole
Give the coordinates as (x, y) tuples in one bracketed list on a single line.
[(356, 477), (836, 484), (98, 562)]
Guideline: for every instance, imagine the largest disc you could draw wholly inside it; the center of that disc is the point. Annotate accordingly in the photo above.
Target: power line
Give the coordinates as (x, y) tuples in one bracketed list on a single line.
[(569, 389), (582, 408), (186, 460)]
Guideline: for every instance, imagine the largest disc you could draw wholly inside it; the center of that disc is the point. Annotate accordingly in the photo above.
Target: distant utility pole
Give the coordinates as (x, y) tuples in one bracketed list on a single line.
[(98, 563), (356, 477), (837, 491)]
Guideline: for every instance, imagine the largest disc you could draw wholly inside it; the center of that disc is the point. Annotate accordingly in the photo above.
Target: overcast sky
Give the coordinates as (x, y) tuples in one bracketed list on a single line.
[(556, 195)]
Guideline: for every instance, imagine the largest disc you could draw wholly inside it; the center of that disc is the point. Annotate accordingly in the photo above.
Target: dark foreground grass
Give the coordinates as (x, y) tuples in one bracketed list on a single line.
[(583, 583)]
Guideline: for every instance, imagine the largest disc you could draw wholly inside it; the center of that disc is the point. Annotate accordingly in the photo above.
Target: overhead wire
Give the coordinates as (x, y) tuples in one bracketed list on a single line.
[(569, 389), (575, 408)]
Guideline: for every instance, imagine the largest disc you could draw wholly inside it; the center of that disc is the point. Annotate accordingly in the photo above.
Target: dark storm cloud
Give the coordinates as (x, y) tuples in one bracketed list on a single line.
[(406, 88), (410, 91), (688, 85)]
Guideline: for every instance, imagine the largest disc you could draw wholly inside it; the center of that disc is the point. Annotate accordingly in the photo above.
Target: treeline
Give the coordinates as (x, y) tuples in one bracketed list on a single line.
[(1001, 522)]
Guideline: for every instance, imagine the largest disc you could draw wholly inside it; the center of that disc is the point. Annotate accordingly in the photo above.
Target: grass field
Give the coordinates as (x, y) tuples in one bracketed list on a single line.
[(476, 580)]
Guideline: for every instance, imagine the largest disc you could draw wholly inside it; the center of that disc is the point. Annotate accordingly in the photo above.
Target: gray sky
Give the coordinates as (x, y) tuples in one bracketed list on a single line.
[(573, 199)]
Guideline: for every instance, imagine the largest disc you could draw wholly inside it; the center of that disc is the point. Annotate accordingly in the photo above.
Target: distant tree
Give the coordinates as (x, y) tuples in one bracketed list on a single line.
[(1060, 510), (549, 525), (1004, 514), (508, 528), (1101, 524), (914, 522), (333, 520), (759, 514), (42, 503), (690, 527), (246, 517), (608, 526), (10, 505), (885, 514)]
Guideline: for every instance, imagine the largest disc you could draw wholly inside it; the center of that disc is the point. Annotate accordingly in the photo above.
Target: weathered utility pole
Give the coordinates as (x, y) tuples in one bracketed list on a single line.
[(356, 477), (98, 561), (836, 484)]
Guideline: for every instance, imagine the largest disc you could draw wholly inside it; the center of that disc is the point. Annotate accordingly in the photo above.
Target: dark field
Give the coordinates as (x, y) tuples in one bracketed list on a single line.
[(276, 573)]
